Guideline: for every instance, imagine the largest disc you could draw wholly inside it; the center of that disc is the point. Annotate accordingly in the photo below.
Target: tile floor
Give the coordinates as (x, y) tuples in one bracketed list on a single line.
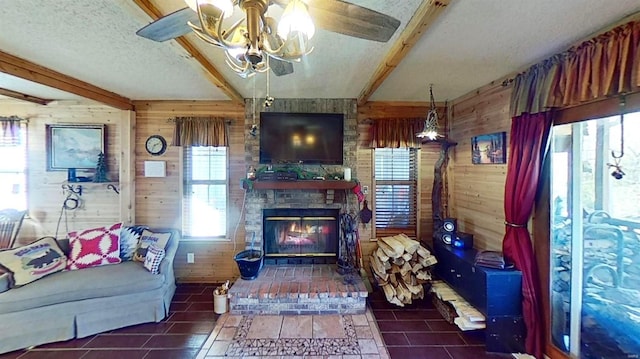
[(347, 336), (414, 332), (418, 331)]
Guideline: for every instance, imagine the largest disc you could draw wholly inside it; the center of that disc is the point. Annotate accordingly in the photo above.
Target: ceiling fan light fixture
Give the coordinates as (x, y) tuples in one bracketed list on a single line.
[(236, 52), (225, 6), (296, 19)]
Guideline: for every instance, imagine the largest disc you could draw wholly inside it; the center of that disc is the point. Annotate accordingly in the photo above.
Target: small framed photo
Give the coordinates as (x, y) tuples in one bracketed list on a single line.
[(74, 146), (489, 149)]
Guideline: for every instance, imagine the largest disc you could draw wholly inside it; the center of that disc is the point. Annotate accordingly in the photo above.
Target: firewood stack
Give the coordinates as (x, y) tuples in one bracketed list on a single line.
[(401, 266)]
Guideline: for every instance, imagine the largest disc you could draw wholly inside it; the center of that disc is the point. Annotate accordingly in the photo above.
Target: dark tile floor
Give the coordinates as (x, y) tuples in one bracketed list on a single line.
[(418, 331), (180, 336), (414, 332)]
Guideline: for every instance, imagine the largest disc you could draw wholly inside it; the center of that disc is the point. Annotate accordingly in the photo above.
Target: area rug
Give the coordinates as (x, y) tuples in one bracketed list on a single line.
[(308, 336)]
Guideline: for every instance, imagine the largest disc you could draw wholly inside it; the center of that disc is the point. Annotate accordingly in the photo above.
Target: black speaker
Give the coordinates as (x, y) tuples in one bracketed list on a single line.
[(449, 225), (446, 237), (463, 240)]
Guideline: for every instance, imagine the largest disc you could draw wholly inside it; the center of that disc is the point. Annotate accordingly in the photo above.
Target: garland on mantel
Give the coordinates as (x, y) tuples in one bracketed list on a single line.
[(301, 172)]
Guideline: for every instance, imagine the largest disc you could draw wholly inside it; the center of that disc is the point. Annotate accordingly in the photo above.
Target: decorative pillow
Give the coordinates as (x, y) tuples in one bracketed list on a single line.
[(33, 261), (94, 247), (153, 258), (5, 282), (148, 238), (129, 237)]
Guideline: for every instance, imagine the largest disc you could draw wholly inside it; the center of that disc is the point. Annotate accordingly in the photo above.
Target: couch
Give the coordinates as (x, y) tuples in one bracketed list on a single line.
[(79, 303)]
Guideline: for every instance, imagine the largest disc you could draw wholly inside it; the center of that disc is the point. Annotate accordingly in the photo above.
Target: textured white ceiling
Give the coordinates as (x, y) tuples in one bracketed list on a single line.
[(472, 43), (478, 41)]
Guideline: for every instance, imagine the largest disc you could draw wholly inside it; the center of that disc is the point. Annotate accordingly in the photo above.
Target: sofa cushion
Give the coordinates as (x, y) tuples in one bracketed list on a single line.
[(94, 247), (94, 282), (160, 239), (33, 261)]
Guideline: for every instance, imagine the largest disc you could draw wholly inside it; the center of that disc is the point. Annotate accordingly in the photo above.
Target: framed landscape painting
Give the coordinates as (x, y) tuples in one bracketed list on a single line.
[(74, 146), (489, 149)]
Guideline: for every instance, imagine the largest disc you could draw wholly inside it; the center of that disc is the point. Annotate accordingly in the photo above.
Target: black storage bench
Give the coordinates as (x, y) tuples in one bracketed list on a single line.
[(496, 293)]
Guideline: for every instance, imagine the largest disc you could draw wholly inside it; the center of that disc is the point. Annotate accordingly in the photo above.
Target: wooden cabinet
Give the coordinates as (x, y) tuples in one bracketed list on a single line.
[(496, 293)]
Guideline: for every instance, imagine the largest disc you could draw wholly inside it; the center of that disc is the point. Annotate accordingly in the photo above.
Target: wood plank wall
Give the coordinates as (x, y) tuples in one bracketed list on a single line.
[(157, 200), (428, 153), (476, 192), (98, 204)]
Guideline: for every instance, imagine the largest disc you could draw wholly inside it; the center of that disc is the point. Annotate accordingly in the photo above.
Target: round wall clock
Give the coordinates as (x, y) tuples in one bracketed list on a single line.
[(156, 145)]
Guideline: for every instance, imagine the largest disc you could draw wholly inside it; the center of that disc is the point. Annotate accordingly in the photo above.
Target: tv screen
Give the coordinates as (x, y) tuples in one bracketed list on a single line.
[(309, 138)]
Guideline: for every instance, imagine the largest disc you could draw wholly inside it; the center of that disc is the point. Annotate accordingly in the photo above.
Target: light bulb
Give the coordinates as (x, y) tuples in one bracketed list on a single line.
[(223, 5), (296, 19)]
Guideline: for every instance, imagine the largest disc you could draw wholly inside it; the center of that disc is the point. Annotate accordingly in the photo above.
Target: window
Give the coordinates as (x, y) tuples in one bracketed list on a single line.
[(395, 176), (595, 238), (204, 213), (13, 177)]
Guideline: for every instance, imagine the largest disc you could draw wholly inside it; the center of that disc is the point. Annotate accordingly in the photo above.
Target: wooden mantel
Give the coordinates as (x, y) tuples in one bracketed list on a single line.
[(301, 185)]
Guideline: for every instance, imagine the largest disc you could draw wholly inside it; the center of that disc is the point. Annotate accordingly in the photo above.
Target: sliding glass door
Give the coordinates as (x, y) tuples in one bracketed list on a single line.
[(595, 238)]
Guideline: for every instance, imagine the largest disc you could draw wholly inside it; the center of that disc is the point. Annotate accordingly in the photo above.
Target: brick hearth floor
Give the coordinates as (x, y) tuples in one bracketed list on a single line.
[(413, 332), (299, 289)]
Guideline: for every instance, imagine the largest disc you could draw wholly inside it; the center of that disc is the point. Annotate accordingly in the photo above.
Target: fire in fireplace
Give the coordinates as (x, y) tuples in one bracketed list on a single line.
[(300, 235)]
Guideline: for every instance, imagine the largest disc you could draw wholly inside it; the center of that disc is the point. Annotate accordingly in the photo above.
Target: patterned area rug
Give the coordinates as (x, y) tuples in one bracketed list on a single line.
[(308, 336), (241, 346)]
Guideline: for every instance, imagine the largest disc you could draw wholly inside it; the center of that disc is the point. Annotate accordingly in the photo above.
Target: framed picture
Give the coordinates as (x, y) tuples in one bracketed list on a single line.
[(489, 149), (74, 146)]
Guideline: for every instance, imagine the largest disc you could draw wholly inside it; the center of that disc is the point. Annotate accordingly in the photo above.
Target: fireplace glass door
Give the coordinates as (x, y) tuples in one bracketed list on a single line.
[(292, 233)]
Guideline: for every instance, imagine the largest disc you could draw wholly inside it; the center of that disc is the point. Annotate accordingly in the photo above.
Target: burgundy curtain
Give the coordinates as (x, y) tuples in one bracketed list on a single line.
[(527, 146)]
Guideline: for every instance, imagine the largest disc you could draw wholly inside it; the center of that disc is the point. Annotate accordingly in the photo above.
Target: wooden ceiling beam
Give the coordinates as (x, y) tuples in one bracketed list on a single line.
[(24, 97), (214, 75), (27, 70), (424, 17)]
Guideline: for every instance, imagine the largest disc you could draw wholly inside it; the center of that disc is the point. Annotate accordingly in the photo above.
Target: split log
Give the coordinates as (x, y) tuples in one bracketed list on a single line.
[(410, 245), (397, 248), (401, 267)]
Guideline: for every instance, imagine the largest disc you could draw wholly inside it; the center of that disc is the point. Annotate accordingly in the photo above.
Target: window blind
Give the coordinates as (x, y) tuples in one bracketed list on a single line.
[(395, 174), (205, 192), (13, 182)]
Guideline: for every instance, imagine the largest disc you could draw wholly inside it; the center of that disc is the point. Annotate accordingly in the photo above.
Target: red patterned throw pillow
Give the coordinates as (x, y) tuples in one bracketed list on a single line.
[(94, 247)]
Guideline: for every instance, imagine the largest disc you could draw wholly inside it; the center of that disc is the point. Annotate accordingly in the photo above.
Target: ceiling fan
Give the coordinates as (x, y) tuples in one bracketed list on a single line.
[(257, 42)]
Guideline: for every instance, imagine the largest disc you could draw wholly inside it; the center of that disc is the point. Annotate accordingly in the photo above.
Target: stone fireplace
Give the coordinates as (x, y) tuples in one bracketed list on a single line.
[(308, 199), (300, 235), (299, 230)]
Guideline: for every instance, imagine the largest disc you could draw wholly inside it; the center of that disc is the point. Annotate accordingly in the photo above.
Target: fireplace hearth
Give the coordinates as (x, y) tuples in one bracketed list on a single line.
[(300, 236)]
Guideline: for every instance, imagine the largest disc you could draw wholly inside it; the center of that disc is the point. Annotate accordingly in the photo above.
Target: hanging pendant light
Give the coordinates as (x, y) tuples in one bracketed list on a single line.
[(430, 129)]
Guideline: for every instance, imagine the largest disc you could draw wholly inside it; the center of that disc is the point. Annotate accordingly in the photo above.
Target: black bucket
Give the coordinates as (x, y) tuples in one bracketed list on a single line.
[(249, 263)]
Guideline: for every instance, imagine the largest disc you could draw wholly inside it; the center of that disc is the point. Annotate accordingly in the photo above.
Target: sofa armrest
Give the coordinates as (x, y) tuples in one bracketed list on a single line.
[(166, 266)]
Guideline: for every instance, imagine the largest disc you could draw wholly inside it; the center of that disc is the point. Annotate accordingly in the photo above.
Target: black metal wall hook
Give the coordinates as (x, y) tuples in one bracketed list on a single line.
[(75, 189), (114, 188), (613, 154)]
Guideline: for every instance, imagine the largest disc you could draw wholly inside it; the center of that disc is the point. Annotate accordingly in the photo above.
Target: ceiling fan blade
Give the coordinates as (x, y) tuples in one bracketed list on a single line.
[(280, 67), (350, 19), (170, 26)]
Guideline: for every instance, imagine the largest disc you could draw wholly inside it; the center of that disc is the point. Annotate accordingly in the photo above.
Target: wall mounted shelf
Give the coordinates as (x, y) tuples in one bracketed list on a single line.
[(301, 185)]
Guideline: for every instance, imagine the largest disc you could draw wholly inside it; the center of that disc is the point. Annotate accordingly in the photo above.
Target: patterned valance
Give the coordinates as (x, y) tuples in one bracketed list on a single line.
[(396, 132), (200, 131), (9, 131), (607, 65)]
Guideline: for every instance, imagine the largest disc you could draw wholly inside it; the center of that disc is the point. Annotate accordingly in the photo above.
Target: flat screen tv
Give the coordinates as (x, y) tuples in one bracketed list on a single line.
[(306, 138)]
